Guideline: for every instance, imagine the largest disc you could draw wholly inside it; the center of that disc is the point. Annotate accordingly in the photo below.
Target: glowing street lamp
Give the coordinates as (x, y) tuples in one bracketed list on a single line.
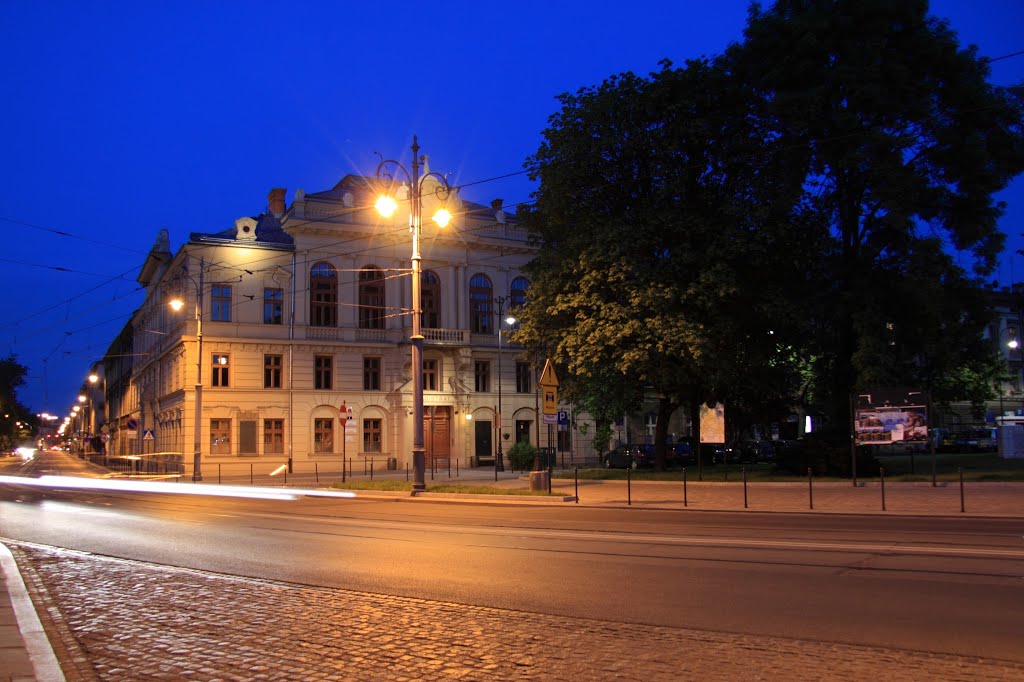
[(177, 304), (387, 206)]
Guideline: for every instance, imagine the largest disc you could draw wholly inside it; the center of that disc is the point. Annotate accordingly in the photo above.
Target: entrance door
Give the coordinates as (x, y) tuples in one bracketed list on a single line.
[(437, 433), (482, 447)]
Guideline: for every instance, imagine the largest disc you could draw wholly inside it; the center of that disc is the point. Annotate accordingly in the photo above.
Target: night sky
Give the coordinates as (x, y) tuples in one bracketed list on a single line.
[(123, 118)]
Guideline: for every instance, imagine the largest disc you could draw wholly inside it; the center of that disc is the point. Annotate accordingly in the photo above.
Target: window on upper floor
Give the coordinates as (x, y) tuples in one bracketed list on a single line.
[(371, 374), (273, 306), (430, 300), (517, 294), (220, 303), (481, 305), (431, 375), (323, 372), (481, 376), (524, 376), (323, 296), (272, 371), (371, 298), (220, 366)]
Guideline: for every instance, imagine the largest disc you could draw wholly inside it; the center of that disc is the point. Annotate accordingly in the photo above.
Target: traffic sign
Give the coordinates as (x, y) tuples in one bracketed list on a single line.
[(549, 384), (132, 424), (547, 376), (148, 435), (345, 412)]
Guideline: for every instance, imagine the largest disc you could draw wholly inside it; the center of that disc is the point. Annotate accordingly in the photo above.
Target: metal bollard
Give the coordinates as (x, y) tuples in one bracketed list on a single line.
[(218, 474), (686, 501), (456, 468), (250, 473), (881, 475), (744, 470), (629, 486), (810, 486), (407, 471), (576, 477), (371, 469), (316, 472), (961, 471), (342, 469), (364, 466)]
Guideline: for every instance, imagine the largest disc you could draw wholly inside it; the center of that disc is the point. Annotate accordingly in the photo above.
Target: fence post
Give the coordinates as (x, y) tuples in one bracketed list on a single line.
[(686, 502), (406, 471), (316, 471), (810, 486), (744, 470), (881, 474), (218, 474), (576, 477), (371, 469), (961, 471), (629, 486)]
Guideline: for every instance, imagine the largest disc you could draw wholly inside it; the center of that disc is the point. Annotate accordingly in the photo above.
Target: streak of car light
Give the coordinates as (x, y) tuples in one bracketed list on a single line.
[(72, 482)]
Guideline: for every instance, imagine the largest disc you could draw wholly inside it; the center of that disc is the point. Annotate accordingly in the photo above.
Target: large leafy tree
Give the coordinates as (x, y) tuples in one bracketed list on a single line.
[(902, 143), (661, 253)]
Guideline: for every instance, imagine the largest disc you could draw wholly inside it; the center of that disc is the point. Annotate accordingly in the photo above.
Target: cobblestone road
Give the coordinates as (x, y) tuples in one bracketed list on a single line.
[(122, 620)]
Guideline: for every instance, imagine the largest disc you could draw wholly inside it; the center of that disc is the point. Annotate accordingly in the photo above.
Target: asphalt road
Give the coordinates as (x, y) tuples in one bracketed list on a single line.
[(940, 585)]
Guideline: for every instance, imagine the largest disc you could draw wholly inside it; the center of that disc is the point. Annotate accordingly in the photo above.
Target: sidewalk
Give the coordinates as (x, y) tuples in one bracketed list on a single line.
[(25, 654)]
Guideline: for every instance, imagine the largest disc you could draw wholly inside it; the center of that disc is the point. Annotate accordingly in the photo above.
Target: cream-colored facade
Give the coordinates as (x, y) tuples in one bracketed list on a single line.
[(282, 352)]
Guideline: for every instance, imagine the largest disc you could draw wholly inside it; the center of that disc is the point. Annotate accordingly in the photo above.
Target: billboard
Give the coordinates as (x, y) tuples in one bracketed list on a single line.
[(712, 423), (890, 415)]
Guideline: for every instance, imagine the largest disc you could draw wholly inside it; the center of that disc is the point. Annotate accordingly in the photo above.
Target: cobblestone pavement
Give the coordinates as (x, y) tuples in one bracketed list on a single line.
[(112, 619)]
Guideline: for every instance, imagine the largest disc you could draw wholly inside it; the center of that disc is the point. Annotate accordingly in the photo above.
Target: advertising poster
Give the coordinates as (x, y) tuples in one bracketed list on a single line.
[(712, 423), (886, 416)]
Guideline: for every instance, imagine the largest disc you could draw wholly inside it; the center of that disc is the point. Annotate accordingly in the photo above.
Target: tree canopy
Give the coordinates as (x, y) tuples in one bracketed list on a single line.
[(775, 225)]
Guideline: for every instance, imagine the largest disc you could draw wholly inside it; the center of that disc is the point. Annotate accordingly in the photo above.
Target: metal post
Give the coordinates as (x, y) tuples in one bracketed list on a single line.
[(316, 472), (218, 475), (343, 469), (744, 487), (250, 474), (418, 449), (810, 486), (629, 487), (686, 501), (576, 478), (961, 471), (197, 456), (881, 474), (371, 469), (500, 460)]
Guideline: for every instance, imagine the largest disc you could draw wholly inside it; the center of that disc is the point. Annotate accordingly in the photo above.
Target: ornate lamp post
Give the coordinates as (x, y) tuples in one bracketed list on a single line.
[(177, 304), (387, 205), (500, 461)]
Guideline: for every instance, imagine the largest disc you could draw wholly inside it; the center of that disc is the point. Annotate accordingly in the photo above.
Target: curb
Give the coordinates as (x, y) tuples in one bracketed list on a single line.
[(40, 653)]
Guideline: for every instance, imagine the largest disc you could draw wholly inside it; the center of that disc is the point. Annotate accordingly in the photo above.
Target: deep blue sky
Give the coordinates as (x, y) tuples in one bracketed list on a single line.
[(122, 118)]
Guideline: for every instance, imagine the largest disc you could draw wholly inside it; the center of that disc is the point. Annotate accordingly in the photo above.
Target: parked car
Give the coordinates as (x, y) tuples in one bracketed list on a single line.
[(754, 451), (637, 455), (623, 457), (977, 440)]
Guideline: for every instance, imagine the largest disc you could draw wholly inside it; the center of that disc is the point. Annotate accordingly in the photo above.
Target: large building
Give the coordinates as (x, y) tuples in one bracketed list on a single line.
[(305, 310)]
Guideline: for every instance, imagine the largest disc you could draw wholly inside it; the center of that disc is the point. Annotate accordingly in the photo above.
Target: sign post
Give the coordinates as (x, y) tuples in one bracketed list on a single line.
[(345, 415), (549, 392)]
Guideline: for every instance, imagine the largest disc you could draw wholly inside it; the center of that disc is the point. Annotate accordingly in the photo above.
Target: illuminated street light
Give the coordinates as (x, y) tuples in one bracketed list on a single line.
[(177, 304), (387, 205), (500, 460)]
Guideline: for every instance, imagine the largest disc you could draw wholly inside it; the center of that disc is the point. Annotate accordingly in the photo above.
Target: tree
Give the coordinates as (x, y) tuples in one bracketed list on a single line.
[(900, 143), (12, 377), (661, 247)]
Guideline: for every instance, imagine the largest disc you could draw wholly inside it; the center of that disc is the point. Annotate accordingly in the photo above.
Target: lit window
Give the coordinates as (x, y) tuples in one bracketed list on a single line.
[(219, 370)]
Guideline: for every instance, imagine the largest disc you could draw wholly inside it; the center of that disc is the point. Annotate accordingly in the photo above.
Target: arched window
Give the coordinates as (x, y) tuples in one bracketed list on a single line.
[(371, 298), (517, 293), (430, 300), (481, 305), (323, 296)]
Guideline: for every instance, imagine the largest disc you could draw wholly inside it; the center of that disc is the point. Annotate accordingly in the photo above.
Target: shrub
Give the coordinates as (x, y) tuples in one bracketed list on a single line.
[(521, 456)]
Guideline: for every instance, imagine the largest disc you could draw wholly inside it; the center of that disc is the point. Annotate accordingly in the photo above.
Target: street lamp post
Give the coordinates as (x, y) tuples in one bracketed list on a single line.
[(500, 461), (177, 304), (387, 205)]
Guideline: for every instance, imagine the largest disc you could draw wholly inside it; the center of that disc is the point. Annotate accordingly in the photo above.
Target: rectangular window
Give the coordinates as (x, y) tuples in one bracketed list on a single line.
[(430, 377), (523, 377), (272, 371), (371, 374), (481, 376), (220, 436), (219, 370), (371, 435), (220, 303), (273, 306), (323, 435), (273, 436), (323, 372)]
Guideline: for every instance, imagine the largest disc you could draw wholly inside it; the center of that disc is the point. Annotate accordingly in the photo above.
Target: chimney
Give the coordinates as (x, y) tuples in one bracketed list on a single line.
[(275, 201), (496, 204)]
